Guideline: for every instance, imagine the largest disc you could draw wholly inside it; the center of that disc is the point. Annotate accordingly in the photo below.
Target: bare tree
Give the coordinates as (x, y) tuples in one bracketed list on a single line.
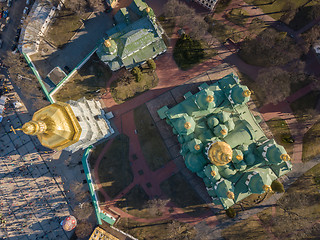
[(156, 206), (83, 229), (77, 6), (97, 5), (178, 230), (83, 210)]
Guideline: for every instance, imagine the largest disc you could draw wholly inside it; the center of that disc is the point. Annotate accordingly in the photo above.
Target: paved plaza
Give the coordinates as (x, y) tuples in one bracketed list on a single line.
[(33, 202)]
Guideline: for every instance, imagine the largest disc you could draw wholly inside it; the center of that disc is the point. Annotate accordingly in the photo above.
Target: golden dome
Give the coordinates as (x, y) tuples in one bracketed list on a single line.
[(230, 195), (239, 157), (285, 157), (55, 126), (213, 173), (220, 153), (197, 147), (223, 131), (148, 9), (107, 43), (209, 98), (187, 125), (267, 188), (246, 93)]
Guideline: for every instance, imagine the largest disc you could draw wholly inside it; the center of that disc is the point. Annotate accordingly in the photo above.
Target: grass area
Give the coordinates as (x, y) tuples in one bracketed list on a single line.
[(114, 169), (183, 195), (92, 77), (311, 143), (295, 217), (152, 146), (222, 5), (277, 8), (246, 229), (281, 132), (303, 108), (126, 87), (222, 32), (298, 208), (134, 203), (189, 52), (64, 26), (158, 230), (237, 16)]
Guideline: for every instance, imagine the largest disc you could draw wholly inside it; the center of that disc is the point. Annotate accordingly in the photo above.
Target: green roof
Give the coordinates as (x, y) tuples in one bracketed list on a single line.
[(135, 42), (256, 160)]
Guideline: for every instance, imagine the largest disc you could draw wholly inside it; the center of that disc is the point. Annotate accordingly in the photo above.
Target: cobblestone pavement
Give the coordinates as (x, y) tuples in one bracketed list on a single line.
[(32, 200)]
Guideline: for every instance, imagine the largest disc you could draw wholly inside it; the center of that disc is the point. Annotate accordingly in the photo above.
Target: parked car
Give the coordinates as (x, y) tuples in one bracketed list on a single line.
[(5, 14), (7, 19), (26, 10), (28, 2), (1, 43), (2, 26), (9, 3)]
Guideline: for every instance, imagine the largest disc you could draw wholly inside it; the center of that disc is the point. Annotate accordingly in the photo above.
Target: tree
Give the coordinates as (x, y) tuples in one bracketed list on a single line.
[(151, 64), (275, 84), (156, 206), (77, 6), (178, 230), (277, 186), (97, 5), (136, 72), (231, 213), (83, 229), (83, 210)]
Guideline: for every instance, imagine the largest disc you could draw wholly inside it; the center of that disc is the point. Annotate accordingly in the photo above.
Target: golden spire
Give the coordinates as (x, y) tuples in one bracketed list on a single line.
[(239, 157), (223, 131), (197, 147), (209, 98), (148, 9), (220, 153), (267, 188), (246, 93), (55, 125), (230, 195), (285, 157), (107, 43), (187, 125)]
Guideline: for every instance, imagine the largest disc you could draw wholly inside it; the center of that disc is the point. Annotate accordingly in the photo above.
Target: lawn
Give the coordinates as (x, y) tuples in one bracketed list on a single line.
[(281, 133), (134, 203), (237, 16), (64, 26), (157, 230), (222, 5), (126, 87), (295, 216), (311, 143), (277, 8), (183, 195), (152, 146), (90, 81), (303, 107), (222, 32), (114, 169)]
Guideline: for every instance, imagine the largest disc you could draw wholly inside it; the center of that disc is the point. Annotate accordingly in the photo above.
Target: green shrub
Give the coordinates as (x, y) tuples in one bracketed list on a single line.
[(277, 186), (136, 72), (151, 64), (231, 213)]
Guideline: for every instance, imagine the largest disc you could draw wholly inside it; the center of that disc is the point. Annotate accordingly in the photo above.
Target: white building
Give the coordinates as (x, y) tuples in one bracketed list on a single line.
[(210, 4)]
